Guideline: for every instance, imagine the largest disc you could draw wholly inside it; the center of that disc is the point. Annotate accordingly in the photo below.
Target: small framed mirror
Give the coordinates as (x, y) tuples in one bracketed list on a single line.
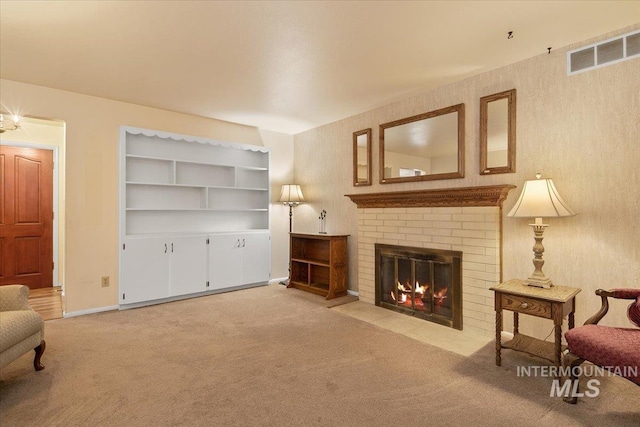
[(498, 133), (362, 157), (425, 147)]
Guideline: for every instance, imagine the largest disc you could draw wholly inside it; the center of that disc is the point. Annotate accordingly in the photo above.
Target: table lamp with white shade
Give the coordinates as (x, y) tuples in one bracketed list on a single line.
[(539, 199)]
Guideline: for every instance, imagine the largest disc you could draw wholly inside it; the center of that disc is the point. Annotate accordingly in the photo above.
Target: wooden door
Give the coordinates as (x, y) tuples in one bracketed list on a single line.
[(26, 216)]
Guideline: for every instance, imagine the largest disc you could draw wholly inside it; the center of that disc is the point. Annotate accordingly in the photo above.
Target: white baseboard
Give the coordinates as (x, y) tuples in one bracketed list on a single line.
[(90, 311), (189, 296), (354, 293)]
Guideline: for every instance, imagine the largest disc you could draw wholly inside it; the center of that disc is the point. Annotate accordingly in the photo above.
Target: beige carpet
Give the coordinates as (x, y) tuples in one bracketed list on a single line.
[(272, 356)]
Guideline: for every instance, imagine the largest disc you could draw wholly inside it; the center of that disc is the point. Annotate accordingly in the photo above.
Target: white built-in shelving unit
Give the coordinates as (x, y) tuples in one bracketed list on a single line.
[(185, 203)]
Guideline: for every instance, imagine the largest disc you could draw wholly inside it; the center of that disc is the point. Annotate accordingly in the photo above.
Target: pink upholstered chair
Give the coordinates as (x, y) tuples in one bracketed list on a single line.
[(607, 346)]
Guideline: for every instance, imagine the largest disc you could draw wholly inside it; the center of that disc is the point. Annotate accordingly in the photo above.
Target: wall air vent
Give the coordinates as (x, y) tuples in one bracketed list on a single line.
[(611, 51)]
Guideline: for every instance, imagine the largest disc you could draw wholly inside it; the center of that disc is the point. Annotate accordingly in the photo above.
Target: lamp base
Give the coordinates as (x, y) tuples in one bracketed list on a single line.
[(538, 278), (538, 282)]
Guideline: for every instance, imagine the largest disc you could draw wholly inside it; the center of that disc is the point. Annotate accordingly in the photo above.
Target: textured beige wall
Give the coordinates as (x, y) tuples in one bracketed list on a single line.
[(583, 131), (91, 204)]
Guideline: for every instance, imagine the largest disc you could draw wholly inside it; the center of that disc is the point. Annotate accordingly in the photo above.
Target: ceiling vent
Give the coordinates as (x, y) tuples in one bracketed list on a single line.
[(611, 51)]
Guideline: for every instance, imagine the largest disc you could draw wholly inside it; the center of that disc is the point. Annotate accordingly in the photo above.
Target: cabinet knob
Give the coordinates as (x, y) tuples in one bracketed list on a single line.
[(524, 305)]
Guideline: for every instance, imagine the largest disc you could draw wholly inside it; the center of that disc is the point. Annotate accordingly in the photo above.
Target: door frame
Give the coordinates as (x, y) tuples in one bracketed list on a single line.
[(56, 214)]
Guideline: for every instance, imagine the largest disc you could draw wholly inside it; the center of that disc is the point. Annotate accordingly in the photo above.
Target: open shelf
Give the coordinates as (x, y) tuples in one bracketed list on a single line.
[(311, 261), (149, 170), (319, 264), (179, 183)]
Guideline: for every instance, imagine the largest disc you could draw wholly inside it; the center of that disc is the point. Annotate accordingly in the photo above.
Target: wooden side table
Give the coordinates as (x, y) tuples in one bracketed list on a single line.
[(554, 303)]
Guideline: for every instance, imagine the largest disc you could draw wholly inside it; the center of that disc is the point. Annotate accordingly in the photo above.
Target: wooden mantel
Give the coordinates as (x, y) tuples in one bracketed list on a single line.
[(491, 195)]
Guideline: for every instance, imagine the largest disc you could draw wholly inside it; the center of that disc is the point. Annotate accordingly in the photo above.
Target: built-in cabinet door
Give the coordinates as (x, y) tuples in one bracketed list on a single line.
[(239, 259), (256, 260), (188, 264), (225, 260), (145, 270)]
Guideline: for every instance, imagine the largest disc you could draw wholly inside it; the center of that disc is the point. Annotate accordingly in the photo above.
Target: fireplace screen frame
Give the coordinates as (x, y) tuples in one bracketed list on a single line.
[(436, 256)]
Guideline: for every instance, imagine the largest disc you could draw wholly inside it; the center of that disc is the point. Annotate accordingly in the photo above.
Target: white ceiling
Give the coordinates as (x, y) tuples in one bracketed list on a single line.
[(286, 66)]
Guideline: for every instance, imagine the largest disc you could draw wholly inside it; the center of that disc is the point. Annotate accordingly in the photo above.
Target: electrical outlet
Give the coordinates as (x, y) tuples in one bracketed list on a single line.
[(105, 281)]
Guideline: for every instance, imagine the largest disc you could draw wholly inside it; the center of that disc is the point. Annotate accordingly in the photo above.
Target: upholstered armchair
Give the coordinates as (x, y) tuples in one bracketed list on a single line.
[(21, 328), (606, 346)]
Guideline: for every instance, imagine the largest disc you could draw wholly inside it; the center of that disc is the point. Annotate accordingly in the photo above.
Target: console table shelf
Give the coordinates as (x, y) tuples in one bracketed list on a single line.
[(532, 346), (319, 264)]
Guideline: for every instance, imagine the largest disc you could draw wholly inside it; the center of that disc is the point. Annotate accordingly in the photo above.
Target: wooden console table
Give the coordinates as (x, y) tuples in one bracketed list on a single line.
[(319, 264), (554, 303)]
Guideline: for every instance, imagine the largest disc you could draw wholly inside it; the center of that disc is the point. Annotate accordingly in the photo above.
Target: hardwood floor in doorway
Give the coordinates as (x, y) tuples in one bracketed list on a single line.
[(47, 302)]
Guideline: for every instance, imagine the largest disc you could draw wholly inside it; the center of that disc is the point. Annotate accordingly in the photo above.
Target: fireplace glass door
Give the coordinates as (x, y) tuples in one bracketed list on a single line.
[(425, 285)]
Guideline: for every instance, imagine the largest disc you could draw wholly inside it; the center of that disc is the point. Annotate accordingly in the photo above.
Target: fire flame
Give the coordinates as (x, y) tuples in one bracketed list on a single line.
[(402, 288), (407, 297), (403, 297), (440, 296)]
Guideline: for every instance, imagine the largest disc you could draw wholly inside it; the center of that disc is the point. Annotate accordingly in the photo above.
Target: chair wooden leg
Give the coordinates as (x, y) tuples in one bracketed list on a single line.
[(36, 360), (575, 361)]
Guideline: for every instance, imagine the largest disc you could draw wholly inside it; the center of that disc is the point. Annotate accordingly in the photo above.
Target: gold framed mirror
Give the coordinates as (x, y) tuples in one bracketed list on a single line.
[(498, 133), (362, 157), (425, 147)]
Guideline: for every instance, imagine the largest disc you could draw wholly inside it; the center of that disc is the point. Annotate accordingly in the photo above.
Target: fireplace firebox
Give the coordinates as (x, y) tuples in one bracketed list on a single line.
[(420, 282)]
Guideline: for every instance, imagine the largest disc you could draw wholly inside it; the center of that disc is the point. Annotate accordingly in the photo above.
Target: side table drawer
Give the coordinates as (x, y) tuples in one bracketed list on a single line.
[(526, 305)]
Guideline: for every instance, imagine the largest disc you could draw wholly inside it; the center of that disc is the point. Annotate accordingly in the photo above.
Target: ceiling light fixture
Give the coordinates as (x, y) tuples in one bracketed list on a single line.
[(15, 125)]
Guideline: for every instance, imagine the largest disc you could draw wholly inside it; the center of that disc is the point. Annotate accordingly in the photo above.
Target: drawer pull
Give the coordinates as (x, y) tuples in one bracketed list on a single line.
[(524, 305)]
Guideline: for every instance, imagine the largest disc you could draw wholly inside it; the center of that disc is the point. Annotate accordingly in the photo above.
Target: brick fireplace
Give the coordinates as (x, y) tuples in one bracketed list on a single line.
[(466, 220)]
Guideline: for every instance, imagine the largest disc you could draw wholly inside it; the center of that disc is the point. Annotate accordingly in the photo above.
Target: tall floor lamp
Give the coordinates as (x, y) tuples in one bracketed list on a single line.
[(291, 195), (539, 199)]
